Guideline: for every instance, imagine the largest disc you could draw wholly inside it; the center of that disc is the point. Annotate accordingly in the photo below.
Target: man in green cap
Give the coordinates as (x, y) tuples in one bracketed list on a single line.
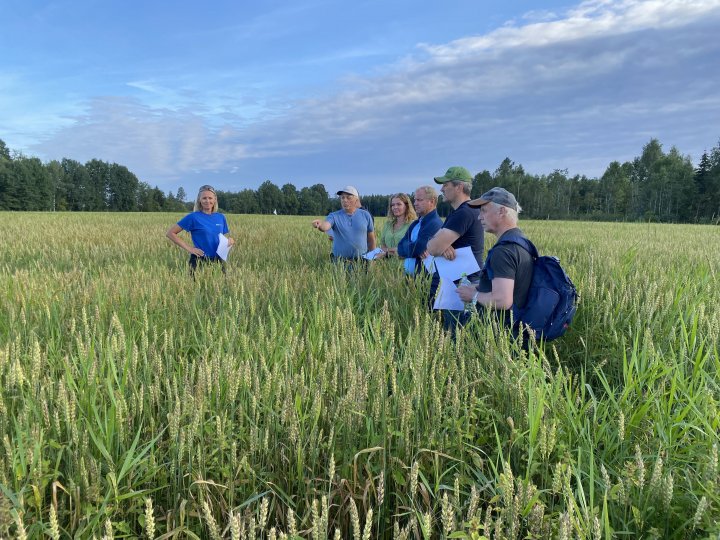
[(462, 228)]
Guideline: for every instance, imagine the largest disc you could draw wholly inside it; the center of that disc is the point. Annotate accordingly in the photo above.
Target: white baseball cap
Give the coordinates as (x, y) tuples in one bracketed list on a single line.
[(350, 190)]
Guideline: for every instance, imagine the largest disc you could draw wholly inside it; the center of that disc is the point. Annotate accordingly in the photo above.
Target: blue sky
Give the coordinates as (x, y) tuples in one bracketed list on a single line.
[(380, 94)]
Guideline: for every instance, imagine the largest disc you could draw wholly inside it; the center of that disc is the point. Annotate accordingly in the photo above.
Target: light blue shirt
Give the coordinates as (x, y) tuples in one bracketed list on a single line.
[(350, 232), (410, 261)]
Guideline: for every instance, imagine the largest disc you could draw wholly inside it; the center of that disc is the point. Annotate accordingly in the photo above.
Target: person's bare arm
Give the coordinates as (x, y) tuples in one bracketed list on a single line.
[(172, 235), (322, 225), (501, 296), (441, 244), (371, 240)]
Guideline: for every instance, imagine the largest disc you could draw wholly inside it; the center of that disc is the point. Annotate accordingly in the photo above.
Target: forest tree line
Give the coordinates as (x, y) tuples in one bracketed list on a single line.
[(26, 183), (655, 186)]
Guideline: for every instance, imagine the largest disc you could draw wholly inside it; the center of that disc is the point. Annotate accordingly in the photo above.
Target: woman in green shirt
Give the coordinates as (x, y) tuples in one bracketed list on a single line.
[(400, 215)]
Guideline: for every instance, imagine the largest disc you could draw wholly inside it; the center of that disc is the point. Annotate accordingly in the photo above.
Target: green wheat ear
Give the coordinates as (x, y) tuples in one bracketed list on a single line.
[(274, 400)]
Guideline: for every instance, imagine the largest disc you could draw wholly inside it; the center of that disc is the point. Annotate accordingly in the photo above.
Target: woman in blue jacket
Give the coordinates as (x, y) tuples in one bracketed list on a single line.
[(204, 224)]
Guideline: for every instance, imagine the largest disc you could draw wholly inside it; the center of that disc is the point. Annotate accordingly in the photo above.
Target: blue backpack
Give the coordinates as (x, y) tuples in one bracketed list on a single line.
[(552, 298)]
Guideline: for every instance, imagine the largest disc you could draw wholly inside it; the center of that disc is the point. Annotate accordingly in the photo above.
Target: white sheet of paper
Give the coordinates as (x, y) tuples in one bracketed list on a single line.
[(370, 255), (428, 262), (223, 248), (464, 263), (447, 298)]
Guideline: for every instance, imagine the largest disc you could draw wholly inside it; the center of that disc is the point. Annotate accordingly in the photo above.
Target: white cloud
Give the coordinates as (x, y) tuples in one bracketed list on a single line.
[(154, 142), (591, 19), (147, 86), (538, 15), (536, 58), (603, 73), (24, 112)]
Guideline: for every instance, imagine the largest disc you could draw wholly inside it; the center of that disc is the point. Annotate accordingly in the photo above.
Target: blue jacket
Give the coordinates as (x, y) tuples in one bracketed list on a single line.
[(430, 224)]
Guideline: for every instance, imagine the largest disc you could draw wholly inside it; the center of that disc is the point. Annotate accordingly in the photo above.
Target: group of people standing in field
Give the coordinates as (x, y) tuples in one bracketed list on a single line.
[(412, 232)]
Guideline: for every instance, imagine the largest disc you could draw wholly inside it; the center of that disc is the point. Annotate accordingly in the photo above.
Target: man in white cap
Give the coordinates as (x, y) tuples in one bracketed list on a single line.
[(352, 227)]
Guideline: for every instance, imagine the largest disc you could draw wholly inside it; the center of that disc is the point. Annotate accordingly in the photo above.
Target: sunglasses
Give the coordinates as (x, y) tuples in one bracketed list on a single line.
[(206, 188)]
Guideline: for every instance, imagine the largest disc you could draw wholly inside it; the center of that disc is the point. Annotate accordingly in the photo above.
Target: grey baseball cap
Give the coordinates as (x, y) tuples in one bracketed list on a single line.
[(350, 190), (497, 195)]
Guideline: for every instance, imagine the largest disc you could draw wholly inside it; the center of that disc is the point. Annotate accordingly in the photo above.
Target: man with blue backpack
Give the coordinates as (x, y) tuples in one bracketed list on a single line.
[(532, 292)]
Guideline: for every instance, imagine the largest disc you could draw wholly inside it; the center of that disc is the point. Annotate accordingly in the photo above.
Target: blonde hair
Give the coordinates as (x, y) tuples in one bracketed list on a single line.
[(430, 192), (410, 214), (197, 207)]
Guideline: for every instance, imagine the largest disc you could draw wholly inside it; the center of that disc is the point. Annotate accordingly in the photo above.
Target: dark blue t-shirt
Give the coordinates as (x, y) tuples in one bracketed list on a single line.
[(204, 230), (465, 220)]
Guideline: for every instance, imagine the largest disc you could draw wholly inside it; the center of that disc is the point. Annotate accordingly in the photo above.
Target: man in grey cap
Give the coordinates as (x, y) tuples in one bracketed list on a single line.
[(462, 228), (508, 271), (352, 227)]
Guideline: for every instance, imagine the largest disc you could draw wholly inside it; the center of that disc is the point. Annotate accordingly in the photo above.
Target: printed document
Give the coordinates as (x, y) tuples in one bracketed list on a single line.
[(450, 271), (463, 263), (223, 248)]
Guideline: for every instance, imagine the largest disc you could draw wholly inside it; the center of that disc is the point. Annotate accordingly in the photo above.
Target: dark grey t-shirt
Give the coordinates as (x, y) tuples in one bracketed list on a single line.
[(512, 262)]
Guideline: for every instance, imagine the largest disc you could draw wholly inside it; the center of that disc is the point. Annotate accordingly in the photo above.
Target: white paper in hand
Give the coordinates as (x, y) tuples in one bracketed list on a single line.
[(371, 255), (429, 263), (223, 247), (464, 263), (447, 296)]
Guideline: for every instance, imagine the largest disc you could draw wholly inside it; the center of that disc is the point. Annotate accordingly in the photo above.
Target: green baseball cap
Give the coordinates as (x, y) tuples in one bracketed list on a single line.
[(455, 174)]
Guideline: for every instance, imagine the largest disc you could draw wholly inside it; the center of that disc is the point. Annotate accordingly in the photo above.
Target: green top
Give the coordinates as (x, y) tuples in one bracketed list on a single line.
[(390, 238)]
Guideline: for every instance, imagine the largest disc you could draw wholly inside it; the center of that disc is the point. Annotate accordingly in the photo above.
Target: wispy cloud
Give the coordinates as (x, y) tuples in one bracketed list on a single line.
[(605, 56), (593, 18), (147, 86), (564, 88), (158, 143)]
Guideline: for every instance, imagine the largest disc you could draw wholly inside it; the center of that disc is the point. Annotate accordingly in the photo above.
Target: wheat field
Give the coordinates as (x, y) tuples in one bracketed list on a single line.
[(290, 399)]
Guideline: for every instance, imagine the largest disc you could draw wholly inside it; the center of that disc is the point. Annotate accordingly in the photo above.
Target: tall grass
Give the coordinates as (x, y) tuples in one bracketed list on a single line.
[(292, 399)]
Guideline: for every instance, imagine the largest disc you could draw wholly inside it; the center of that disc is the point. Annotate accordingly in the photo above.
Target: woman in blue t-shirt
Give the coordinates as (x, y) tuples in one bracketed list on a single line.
[(204, 224)]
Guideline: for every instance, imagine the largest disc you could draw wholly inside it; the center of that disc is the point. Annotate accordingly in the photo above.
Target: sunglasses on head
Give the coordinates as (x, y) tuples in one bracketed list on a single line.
[(206, 188)]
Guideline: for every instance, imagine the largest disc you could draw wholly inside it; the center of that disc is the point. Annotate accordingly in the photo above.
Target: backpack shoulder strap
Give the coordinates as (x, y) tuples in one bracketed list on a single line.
[(521, 241), (517, 239)]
